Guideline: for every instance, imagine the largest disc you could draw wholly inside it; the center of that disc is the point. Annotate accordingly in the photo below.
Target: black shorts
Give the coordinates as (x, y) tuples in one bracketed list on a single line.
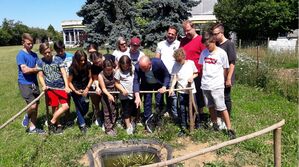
[(128, 108), (29, 92)]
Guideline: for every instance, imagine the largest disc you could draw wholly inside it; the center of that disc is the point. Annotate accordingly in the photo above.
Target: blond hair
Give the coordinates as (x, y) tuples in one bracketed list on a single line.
[(179, 52)]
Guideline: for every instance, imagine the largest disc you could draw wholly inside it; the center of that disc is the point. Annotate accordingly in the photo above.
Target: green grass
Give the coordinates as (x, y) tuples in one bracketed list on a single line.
[(285, 59), (253, 110)]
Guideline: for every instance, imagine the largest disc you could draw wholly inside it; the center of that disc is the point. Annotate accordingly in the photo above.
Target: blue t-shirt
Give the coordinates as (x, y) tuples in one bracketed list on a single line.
[(67, 59), (51, 69), (29, 59)]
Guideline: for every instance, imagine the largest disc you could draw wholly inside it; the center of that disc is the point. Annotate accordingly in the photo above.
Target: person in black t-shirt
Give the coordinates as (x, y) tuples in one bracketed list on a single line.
[(80, 81)]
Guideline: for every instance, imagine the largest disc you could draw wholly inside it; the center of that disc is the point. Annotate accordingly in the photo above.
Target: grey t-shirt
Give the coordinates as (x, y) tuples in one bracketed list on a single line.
[(126, 80)]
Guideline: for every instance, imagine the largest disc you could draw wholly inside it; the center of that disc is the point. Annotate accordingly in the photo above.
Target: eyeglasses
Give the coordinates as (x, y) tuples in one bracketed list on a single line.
[(136, 45), (216, 33), (122, 44)]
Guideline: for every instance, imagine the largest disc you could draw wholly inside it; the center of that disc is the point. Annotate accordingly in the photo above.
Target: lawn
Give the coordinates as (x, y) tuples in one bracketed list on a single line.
[(253, 110)]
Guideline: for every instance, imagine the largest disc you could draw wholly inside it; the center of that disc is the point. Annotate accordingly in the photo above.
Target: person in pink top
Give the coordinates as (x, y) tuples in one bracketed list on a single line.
[(193, 47)]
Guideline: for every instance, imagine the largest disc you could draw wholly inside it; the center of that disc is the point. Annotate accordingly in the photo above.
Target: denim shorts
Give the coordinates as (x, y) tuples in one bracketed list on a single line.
[(215, 98)]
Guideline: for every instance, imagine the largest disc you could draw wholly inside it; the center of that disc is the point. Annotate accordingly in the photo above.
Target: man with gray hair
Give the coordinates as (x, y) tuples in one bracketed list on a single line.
[(150, 74)]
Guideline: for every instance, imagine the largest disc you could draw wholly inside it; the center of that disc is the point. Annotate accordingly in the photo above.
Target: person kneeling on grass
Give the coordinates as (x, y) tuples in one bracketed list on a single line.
[(215, 65), (182, 74), (53, 75)]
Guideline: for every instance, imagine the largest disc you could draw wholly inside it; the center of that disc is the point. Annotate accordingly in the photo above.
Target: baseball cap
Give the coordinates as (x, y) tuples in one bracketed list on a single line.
[(135, 41)]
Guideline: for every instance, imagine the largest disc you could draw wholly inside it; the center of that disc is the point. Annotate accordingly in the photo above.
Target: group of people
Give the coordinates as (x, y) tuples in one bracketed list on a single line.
[(204, 63)]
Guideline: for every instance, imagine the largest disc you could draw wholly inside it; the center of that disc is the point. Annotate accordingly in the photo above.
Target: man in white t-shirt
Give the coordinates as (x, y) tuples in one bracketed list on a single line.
[(164, 51), (215, 64)]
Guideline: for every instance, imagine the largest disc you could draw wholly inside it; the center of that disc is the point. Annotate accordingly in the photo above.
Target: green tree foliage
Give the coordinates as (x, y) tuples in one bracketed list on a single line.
[(106, 20), (11, 33), (53, 34), (258, 19), (161, 14)]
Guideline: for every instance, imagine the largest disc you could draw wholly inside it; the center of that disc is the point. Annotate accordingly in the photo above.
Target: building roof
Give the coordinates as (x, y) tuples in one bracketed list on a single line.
[(204, 7), (203, 12), (72, 24)]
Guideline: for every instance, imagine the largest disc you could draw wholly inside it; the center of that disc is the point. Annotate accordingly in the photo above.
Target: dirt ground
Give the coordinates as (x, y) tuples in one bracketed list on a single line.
[(199, 161)]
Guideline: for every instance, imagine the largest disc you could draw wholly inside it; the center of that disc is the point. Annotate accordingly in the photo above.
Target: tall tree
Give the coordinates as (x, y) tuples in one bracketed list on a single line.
[(258, 19), (161, 14), (53, 34), (105, 20)]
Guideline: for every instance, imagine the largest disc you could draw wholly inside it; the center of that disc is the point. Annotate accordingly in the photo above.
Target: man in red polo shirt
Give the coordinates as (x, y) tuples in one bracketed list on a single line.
[(193, 47)]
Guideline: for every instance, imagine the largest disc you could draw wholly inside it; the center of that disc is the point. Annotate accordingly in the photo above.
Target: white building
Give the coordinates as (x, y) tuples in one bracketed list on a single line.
[(73, 30), (203, 13)]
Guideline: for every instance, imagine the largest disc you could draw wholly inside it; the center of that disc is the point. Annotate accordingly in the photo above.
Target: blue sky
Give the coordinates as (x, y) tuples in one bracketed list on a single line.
[(40, 13)]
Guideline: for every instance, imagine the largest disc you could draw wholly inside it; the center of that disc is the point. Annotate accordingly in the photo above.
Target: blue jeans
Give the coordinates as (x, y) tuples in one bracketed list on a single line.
[(183, 108), (81, 108), (172, 104), (148, 101)]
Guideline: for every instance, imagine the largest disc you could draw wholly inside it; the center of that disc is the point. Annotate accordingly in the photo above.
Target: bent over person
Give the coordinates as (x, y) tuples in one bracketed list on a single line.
[(150, 74), (27, 81)]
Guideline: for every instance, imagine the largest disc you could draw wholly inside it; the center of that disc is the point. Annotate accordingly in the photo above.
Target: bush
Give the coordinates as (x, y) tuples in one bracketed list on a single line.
[(268, 73)]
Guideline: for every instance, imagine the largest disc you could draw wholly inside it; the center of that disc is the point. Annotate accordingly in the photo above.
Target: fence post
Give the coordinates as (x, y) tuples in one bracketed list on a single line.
[(191, 120), (277, 147), (240, 43)]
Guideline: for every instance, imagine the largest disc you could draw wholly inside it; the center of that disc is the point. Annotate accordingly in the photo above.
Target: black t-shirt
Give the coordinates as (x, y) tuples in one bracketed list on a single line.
[(95, 70), (80, 79), (229, 48)]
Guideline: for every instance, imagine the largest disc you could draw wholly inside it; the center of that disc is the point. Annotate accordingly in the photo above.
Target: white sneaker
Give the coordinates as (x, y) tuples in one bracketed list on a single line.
[(46, 123), (103, 128), (221, 124), (130, 130)]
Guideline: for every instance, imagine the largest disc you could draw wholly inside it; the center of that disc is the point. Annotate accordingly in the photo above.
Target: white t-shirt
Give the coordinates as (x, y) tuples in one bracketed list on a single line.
[(166, 50), (213, 68), (126, 80), (183, 72), (118, 53)]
